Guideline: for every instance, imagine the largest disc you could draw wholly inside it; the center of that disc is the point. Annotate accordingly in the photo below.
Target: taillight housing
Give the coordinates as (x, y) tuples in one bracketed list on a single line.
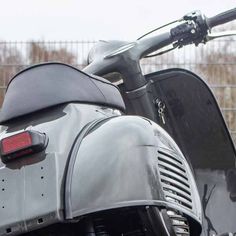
[(22, 144)]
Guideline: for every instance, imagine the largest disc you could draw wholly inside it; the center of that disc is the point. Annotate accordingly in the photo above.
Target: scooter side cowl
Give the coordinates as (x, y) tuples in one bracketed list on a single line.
[(129, 161)]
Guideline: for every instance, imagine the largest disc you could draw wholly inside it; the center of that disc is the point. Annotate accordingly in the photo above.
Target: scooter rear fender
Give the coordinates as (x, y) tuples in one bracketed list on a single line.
[(116, 163)]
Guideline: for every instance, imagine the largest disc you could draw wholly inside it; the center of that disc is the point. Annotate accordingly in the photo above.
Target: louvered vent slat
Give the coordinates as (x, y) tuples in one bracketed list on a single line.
[(171, 155), (178, 191), (172, 168), (179, 199), (179, 223), (174, 178), (171, 161), (174, 183)]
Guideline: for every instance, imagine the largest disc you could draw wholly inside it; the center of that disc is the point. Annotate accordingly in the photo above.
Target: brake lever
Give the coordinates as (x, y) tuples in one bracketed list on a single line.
[(212, 36)]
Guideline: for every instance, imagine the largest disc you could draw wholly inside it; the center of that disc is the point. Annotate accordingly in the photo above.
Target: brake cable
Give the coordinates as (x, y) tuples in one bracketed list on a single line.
[(156, 29), (163, 26), (162, 52)]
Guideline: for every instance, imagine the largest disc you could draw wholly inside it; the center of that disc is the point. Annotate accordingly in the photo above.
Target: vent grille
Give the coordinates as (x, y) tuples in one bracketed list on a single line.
[(174, 179), (179, 223)]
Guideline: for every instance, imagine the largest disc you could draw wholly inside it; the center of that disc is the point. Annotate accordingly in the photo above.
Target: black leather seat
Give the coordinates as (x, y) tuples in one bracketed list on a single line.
[(49, 84)]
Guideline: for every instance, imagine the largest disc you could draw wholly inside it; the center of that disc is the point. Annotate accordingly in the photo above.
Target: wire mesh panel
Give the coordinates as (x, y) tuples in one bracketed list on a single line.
[(214, 62)]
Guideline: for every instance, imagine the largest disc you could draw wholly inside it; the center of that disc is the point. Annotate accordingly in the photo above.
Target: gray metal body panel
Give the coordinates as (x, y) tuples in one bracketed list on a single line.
[(32, 188), (117, 165)]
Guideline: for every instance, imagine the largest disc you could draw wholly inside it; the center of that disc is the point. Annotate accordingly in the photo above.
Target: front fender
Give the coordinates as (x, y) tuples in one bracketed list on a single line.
[(115, 164)]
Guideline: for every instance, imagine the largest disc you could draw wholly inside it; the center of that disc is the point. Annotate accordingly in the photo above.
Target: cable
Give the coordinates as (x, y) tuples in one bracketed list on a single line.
[(160, 53), (158, 28)]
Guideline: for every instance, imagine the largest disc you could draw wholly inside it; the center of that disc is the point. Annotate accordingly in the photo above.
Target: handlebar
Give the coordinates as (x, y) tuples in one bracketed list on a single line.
[(221, 18), (196, 27), (192, 28)]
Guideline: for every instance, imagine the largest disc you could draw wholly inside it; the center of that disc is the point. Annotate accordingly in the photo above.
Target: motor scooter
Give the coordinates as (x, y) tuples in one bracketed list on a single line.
[(80, 158)]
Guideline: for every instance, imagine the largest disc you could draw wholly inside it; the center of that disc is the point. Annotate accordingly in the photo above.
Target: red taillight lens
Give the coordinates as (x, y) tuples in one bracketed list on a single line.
[(16, 142), (22, 144)]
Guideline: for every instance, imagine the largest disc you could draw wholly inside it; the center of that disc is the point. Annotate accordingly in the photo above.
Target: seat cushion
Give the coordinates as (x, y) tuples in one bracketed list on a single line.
[(49, 84)]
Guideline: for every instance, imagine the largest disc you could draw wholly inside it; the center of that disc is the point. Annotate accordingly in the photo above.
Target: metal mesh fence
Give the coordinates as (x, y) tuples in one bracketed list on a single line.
[(214, 62)]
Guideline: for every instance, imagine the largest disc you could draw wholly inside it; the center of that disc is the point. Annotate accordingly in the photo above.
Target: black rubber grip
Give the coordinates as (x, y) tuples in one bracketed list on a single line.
[(221, 18)]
